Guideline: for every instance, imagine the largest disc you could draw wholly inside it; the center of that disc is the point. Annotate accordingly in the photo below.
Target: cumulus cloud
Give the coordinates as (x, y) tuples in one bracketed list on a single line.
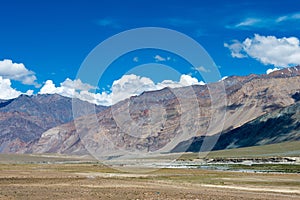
[(77, 85), (125, 87), (185, 80), (269, 50), (7, 92), (131, 85), (48, 88), (69, 88), (17, 72)]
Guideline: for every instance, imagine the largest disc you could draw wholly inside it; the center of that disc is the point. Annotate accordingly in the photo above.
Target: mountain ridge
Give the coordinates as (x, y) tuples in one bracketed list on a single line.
[(275, 127), (25, 118), (248, 97), (148, 122)]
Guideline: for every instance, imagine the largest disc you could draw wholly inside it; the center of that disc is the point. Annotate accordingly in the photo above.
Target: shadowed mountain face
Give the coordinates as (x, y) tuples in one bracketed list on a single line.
[(24, 119), (278, 126), (175, 118)]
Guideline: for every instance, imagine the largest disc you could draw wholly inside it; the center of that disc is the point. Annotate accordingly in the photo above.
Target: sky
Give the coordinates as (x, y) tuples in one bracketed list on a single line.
[(43, 44)]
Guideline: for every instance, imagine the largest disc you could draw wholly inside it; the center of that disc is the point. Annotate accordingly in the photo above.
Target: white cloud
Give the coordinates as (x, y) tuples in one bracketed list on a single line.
[(48, 88), (236, 49), (159, 58), (77, 85), (131, 85), (269, 22), (125, 87), (248, 22), (186, 80), (272, 70), (17, 72), (269, 50), (201, 69), (29, 92), (71, 89), (135, 59), (252, 22), (7, 92), (294, 16), (281, 19), (96, 98)]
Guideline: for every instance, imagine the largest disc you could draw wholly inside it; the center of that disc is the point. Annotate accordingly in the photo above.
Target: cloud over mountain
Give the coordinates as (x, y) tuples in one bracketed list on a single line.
[(125, 87), (7, 92)]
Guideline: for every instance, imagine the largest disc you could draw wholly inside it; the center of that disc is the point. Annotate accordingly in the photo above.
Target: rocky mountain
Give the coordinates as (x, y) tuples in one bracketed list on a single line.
[(275, 127), (159, 121), (25, 118)]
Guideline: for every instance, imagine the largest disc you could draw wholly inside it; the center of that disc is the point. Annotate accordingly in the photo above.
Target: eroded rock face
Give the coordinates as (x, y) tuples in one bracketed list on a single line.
[(281, 125), (61, 139), (24, 119), (159, 120)]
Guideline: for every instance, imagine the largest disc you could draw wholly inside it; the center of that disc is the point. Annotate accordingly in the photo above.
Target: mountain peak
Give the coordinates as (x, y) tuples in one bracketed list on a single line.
[(285, 72)]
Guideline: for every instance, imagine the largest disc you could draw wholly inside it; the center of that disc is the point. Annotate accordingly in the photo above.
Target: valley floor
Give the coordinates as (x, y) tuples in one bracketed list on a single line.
[(95, 181)]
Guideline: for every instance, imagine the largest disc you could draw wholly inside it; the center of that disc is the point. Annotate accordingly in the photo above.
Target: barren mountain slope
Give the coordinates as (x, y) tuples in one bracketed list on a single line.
[(159, 120)]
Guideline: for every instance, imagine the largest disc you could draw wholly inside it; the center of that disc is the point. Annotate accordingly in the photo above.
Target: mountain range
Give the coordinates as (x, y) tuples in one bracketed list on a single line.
[(24, 119), (255, 110)]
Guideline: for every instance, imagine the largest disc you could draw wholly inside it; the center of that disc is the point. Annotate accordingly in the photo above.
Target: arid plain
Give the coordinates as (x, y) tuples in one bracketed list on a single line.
[(54, 177)]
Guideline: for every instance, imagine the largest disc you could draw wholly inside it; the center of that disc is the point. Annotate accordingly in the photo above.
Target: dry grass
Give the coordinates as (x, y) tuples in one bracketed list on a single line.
[(96, 181)]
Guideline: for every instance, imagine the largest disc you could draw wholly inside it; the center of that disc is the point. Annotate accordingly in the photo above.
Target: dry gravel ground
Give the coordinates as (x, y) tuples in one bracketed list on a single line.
[(93, 181)]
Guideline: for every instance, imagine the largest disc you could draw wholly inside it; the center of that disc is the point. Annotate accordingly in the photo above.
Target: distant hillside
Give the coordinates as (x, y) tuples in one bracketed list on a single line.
[(24, 119), (275, 127)]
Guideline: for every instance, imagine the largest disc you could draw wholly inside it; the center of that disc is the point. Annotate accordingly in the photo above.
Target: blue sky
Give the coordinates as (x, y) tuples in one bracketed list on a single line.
[(52, 38)]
